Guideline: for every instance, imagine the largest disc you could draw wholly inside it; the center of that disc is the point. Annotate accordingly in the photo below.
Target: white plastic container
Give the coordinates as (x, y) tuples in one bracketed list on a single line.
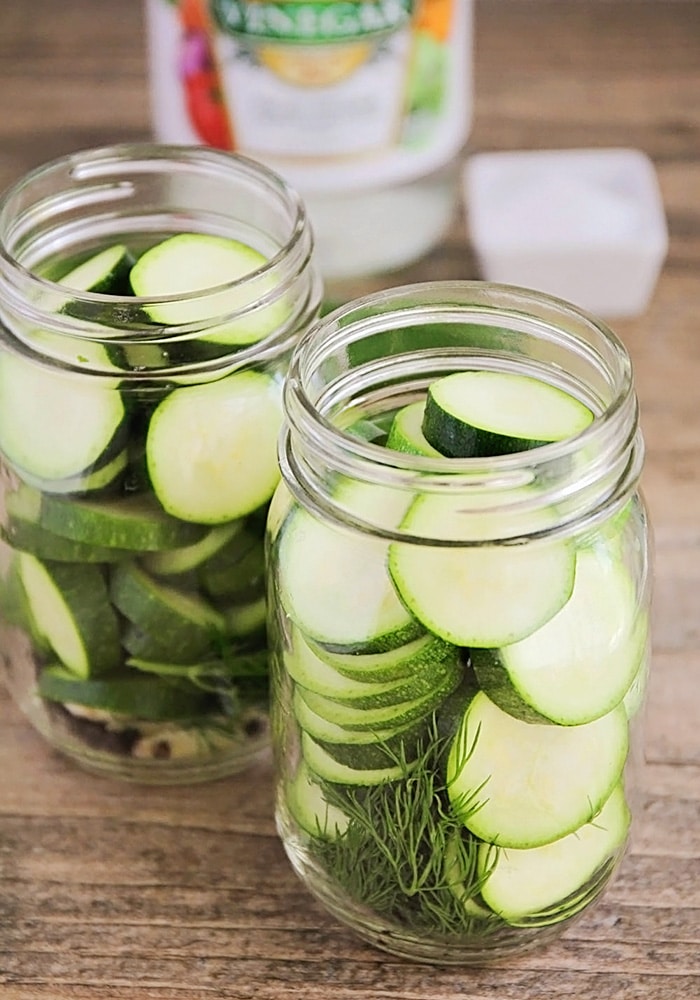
[(587, 225), (363, 107)]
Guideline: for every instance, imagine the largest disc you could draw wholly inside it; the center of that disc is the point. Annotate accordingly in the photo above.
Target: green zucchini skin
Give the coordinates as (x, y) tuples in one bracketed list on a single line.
[(138, 696), (406, 432), (25, 531), (106, 272), (134, 522), (484, 413), (171, 619), (70, 604)]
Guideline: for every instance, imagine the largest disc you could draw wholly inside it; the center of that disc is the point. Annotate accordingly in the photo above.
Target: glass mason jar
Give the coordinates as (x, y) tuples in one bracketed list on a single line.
[(149, 300), (460, 644)]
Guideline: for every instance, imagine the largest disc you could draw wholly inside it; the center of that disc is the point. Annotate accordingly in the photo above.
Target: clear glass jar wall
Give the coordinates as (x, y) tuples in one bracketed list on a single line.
[(460, 644), (149, 300)]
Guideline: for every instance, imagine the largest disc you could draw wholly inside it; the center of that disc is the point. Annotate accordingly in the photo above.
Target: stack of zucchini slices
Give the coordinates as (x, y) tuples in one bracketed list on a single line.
[(540, 636), (135, 522)]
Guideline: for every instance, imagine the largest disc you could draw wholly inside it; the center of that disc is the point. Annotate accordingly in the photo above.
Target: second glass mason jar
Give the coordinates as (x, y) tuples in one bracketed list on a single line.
[(149, 300), (459, 603)]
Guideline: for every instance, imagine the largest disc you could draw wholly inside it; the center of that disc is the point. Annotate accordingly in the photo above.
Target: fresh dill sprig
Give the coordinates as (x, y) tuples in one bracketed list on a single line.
[(406, 854)]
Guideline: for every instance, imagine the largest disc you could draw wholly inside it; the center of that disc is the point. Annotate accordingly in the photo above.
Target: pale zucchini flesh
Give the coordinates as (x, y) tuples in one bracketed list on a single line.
[(535, 783), (482, 413)]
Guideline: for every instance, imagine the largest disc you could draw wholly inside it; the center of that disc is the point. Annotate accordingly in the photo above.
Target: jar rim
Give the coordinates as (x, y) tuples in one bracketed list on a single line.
[(92, 163), (608, 440), (46, 204)]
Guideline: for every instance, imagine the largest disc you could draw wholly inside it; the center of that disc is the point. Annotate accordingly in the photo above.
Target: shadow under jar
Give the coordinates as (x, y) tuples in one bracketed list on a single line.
[(149, 300), (459, 602)]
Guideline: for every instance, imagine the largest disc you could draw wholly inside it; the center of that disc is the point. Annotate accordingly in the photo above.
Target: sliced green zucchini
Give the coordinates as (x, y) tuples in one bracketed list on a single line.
[(137, 697), (524, 882), (326, 732), (134, 522), (106, 272), (334, 585), (70, 605), (310, 808), (383, 716), (236, 665), (236, 571), (213, 266), (14, 604), (173, 619), (244, 620), (494, 413), (401, 746), (313, 674), (406, 432), (173, 562), (322, 765), (157, 647), (580, 663), (212, 449), (104, 479), (482, 592), (25, 531), (523, 785), (428, 651), (55, 425)]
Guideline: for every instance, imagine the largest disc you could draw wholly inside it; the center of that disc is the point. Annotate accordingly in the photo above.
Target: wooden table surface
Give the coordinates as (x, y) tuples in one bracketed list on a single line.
[(113, 891)]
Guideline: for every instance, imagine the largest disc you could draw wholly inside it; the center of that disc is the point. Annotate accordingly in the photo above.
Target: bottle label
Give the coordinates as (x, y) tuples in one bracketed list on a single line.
[(332, 94)]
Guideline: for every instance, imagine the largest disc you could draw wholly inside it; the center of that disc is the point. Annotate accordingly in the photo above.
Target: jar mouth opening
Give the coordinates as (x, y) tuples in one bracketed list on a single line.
[(136, 195), (412, 334), (455, 304)]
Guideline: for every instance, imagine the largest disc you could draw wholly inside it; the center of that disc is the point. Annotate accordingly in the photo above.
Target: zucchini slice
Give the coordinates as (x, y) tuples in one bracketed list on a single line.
[(174, 562), (213, 265), (483, 593), (310, 808), (173, 619), (56, 425), (313, 674), (533, 784), (335, 586), (406, 432), (578, 665), (211, 449), (321, 764), (381, 717), (332, 732), (135, 522), (138, 697), (70, 605), (25, 531), (428, 651), (107, 478), (525, 882), (106, 272), (479, 413)]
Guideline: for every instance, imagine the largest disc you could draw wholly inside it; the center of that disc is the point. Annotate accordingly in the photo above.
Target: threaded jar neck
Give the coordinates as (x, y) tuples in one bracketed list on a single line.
[(147, 192), (379, 353)]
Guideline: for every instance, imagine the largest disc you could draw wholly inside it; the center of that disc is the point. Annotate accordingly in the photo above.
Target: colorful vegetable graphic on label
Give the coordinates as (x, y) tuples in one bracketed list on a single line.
[(200, 77)]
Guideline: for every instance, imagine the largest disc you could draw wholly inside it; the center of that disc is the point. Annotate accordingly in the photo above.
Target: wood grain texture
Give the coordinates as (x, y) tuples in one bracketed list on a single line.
[(109, 892)]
